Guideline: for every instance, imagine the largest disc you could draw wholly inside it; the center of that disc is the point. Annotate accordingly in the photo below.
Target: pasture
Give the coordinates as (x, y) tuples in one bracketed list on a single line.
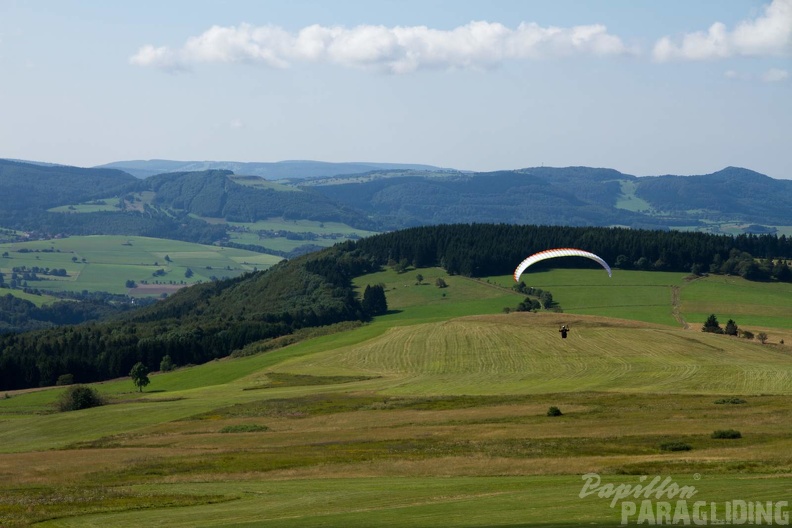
[(432, 415), (105, 263)]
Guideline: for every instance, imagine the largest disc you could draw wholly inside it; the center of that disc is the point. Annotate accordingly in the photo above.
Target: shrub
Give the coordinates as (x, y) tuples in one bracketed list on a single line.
[(726, 434), (762, 337), (79, 397), (675, 446), (244, 428), (554, 411), (735, 401)]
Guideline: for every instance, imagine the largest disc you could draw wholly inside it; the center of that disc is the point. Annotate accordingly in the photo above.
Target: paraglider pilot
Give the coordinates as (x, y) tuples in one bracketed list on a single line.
[(564, 330)]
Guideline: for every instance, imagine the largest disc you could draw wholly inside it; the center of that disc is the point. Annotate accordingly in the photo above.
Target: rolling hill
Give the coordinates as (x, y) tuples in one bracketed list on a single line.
[(280, 170), (567, 196)]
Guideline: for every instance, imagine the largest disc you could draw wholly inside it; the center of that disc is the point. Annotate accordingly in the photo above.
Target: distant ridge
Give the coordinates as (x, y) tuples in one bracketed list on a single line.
[(279, 170)]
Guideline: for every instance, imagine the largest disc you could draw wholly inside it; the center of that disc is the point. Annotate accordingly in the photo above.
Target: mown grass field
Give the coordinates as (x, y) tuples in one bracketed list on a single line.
[(432, 415), (105, 263)]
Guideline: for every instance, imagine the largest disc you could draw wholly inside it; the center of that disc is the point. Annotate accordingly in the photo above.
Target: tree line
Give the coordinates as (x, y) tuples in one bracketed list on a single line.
[(210, 320), (479, 250)]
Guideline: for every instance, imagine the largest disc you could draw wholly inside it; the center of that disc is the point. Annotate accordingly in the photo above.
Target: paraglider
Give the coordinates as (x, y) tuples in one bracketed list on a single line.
[(560, 252)]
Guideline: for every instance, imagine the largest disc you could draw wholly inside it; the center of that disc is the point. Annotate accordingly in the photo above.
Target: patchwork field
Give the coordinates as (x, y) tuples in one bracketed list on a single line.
[(433, 415), (106, 263)]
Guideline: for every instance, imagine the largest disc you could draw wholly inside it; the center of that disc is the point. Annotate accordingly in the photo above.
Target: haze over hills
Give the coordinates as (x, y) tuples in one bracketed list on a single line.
[(279, 170)]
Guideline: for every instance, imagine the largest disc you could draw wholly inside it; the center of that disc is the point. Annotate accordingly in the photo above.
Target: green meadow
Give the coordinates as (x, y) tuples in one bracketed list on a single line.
[(105, 263), (432, 415)]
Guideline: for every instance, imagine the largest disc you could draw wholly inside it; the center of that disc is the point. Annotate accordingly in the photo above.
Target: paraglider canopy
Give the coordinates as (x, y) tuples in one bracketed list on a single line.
[(560, 252)]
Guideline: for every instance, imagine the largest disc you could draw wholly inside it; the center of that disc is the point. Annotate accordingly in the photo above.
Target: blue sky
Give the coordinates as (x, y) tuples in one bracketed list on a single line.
[(644, 87)]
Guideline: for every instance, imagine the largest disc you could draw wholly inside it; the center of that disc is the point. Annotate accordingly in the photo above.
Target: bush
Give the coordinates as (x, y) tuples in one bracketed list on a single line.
[(554, 411), (244, 428), (735, 401), (79, 397), (726, 434), (675, 446)]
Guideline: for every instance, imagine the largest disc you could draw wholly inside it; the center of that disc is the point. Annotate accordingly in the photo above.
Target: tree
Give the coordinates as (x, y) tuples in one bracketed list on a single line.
[(130, 283), (166, 365), (440, 283), (139, 374), (79, 397), (762, 337), (168, 259), (419, 278), (374, 301), (731, 328), (712, 325), (188, 273)]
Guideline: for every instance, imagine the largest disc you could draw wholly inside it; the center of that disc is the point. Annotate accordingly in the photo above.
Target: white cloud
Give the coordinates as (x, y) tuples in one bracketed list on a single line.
[(236, 123), (767, 35), (775, 75), (477, 45)]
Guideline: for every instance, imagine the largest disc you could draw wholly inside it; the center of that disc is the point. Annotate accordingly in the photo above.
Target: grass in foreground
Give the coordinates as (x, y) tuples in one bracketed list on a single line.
[(418, 419)]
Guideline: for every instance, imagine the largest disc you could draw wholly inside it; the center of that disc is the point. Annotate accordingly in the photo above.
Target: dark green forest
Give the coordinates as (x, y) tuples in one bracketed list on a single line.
[(208, 321), (213, 194), (574, 196)]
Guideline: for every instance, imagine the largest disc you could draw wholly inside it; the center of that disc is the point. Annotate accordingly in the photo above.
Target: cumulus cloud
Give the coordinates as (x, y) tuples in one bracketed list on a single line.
[(775, 75), (477, 45), (767, 35)]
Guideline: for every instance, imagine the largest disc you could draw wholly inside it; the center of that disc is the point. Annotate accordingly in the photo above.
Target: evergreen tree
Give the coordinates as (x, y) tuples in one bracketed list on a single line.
[(731, 328), (374, 301), (712, 325)]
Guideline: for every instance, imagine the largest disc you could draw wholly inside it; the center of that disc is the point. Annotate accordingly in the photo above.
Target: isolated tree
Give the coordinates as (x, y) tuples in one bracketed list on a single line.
[(762, 337), (139, 374), (419, 278), (440, 283), (188, 273), (168, 259), (731, 328), (712, 325), (130, 283), (374, 301)]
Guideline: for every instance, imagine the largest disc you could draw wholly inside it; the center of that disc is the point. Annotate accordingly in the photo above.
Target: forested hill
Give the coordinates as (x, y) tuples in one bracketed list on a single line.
[(733, 190), (575, 196), (218, 194), (25, 186), (211, 320)]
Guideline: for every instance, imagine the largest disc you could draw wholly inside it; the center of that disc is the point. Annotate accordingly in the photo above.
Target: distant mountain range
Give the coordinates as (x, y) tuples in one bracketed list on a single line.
[(383, 199), (280, 170)]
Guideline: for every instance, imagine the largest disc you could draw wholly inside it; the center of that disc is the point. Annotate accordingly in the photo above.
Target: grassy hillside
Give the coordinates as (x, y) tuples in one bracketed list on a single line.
[(432, 415)]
